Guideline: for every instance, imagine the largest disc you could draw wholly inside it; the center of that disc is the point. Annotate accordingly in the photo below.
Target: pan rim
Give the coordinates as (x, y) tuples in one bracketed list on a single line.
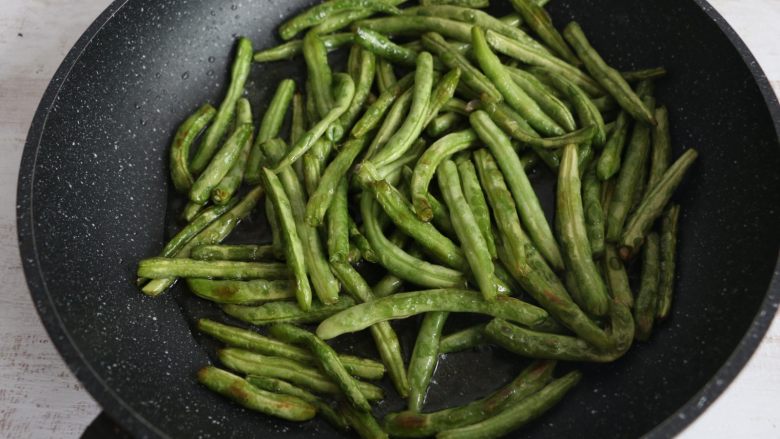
[(138, 425)]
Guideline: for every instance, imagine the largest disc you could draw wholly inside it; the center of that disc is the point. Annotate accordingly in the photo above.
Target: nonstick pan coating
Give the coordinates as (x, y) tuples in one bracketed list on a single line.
[(94, 195)]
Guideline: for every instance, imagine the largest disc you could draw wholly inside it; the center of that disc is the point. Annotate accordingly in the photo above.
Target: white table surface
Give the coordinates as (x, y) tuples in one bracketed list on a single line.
[(40, 398)]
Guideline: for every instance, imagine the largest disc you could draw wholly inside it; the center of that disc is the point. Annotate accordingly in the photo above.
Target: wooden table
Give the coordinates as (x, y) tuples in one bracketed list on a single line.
[(40, 398)]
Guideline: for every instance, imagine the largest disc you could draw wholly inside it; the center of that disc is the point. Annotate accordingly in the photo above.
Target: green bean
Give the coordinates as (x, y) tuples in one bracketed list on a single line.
[(282, 406), (182, 142), (384, 336), (628, 180), (353, 61), (343, 19), (669, 225), (214, 233), (388, 285), (536, 344), (277, 245), (570, 218), (462, 340), (191, 230), (442, 94), (455, 105), (609, 162), (191, 211), (594, 211), (514, 125), (512, 19), (238, 75), (220, 164), (605, 103), (364, 423), (241, 292), (393, 120), (384, 47), (519, 413), (477, 203), (357, 238), (415, 25), (653, 204), (277, 386), (522, 191), (429, 161), (374, 113), (393, 170), (473, 244), (526, 55), (642, 190), (363, 82), (641, 75), (647, 298), (443, 124), (308, 377), (425, 234), (327, 359), (385, 75), (322, 197), (523, 260), (543, 97), (471, 77), (316, 14), (287, 312), (477, 18), (163, 268), (587, 113), (463, 3), (397, 261), (424, 358), (293, 246), (344, 92), (312, 116), (313, 162), (325, 284), (223, 192), (338, 224), (514, 95), (297, 128), (269, 127), (354, 256), (541, 23), (528, 382), (185, 235), (318, 72), (616, 275), (291, 49), (404, 305), (661, 148), (241, 252), (252, 341), (410, 129), (608, 77)]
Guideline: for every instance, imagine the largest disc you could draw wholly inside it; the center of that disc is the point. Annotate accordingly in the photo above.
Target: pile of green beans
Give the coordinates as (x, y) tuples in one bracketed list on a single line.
[(413, 169)]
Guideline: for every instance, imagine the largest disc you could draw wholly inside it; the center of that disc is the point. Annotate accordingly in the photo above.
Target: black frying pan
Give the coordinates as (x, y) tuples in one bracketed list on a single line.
[(93, 195)]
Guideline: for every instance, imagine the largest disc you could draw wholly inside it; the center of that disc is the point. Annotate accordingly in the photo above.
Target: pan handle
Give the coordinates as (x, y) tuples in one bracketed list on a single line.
[(104, 427)]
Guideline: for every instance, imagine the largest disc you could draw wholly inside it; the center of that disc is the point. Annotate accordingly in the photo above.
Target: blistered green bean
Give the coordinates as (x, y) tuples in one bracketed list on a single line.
[(287, 312), (182, 142), (402, 305), (269, 127), (213, 136), (282, 406)]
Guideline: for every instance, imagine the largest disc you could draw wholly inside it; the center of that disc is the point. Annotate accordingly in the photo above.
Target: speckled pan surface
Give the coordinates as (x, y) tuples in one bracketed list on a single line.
[(93, 196)]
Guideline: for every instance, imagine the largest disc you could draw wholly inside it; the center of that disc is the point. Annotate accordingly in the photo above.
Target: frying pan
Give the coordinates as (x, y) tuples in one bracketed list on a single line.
[(94, 198)]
